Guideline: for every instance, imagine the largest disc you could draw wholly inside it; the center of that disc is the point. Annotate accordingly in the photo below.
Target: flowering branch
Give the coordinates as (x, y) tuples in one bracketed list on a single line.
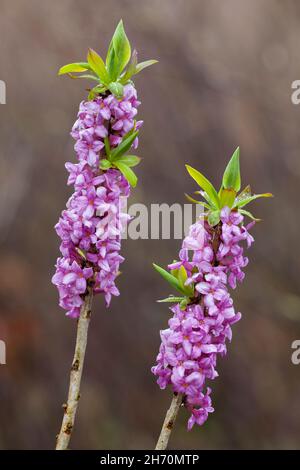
[(70, 408), (210, 262), (91, 226)]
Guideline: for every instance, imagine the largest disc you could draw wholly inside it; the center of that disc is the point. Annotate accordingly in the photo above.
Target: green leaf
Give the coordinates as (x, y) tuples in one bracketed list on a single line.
[(124, 145), (248, 214), (172, 298), (243, 202), (127, 172), (205, 184), (129, 160), (244, 194), (191, 199), (134, 68), (232, 177), (142, 65), (172, 280), (212, 206), (95, 91), (91, 95), (107, 147), (98, 66), (182, 277), (105, 164), (213, 218), (131, 68), (119, 52), (99, 89), (117, 89), (183, 304), (227, 197), (174, 272), (85, 75), (80, 252), (75, 67)]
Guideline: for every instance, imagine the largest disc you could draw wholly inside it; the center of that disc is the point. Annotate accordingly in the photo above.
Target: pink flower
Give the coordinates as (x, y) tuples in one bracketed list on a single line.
[(90, 227), (197, 335), (200, 415), (71, 281)]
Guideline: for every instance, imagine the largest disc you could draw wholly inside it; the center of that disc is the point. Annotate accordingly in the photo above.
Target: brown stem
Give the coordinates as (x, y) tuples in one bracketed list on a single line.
[(169, 422), (216, 239), (70, 408)]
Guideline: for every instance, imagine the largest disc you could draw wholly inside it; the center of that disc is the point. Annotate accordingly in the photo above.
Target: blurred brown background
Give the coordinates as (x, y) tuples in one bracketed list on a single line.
[(224, 79)]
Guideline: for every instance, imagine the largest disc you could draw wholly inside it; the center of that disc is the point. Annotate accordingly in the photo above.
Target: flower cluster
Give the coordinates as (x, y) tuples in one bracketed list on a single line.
[(90, 227), (198, 333)]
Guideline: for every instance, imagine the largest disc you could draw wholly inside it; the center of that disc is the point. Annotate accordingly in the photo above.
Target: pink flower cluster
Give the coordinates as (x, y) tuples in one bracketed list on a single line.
[(91, 225), (196, 335)]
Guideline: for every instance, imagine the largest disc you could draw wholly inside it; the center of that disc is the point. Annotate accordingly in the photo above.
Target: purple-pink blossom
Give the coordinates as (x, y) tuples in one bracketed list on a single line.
[(90, 227), (199, 332)]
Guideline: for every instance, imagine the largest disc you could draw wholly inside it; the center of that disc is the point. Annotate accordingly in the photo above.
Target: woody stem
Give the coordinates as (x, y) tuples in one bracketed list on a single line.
[(169, 422), (70, 408)]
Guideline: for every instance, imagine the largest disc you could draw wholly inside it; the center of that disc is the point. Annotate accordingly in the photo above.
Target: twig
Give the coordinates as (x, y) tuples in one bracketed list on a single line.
[(70, 408), (169, 422)]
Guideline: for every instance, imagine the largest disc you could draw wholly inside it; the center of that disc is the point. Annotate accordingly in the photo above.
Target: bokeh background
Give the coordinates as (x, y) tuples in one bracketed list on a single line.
[(224, 79)]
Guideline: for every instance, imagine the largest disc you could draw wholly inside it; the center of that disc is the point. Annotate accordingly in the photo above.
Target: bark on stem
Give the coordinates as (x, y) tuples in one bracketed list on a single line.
[(169, 422), (70, 408)]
